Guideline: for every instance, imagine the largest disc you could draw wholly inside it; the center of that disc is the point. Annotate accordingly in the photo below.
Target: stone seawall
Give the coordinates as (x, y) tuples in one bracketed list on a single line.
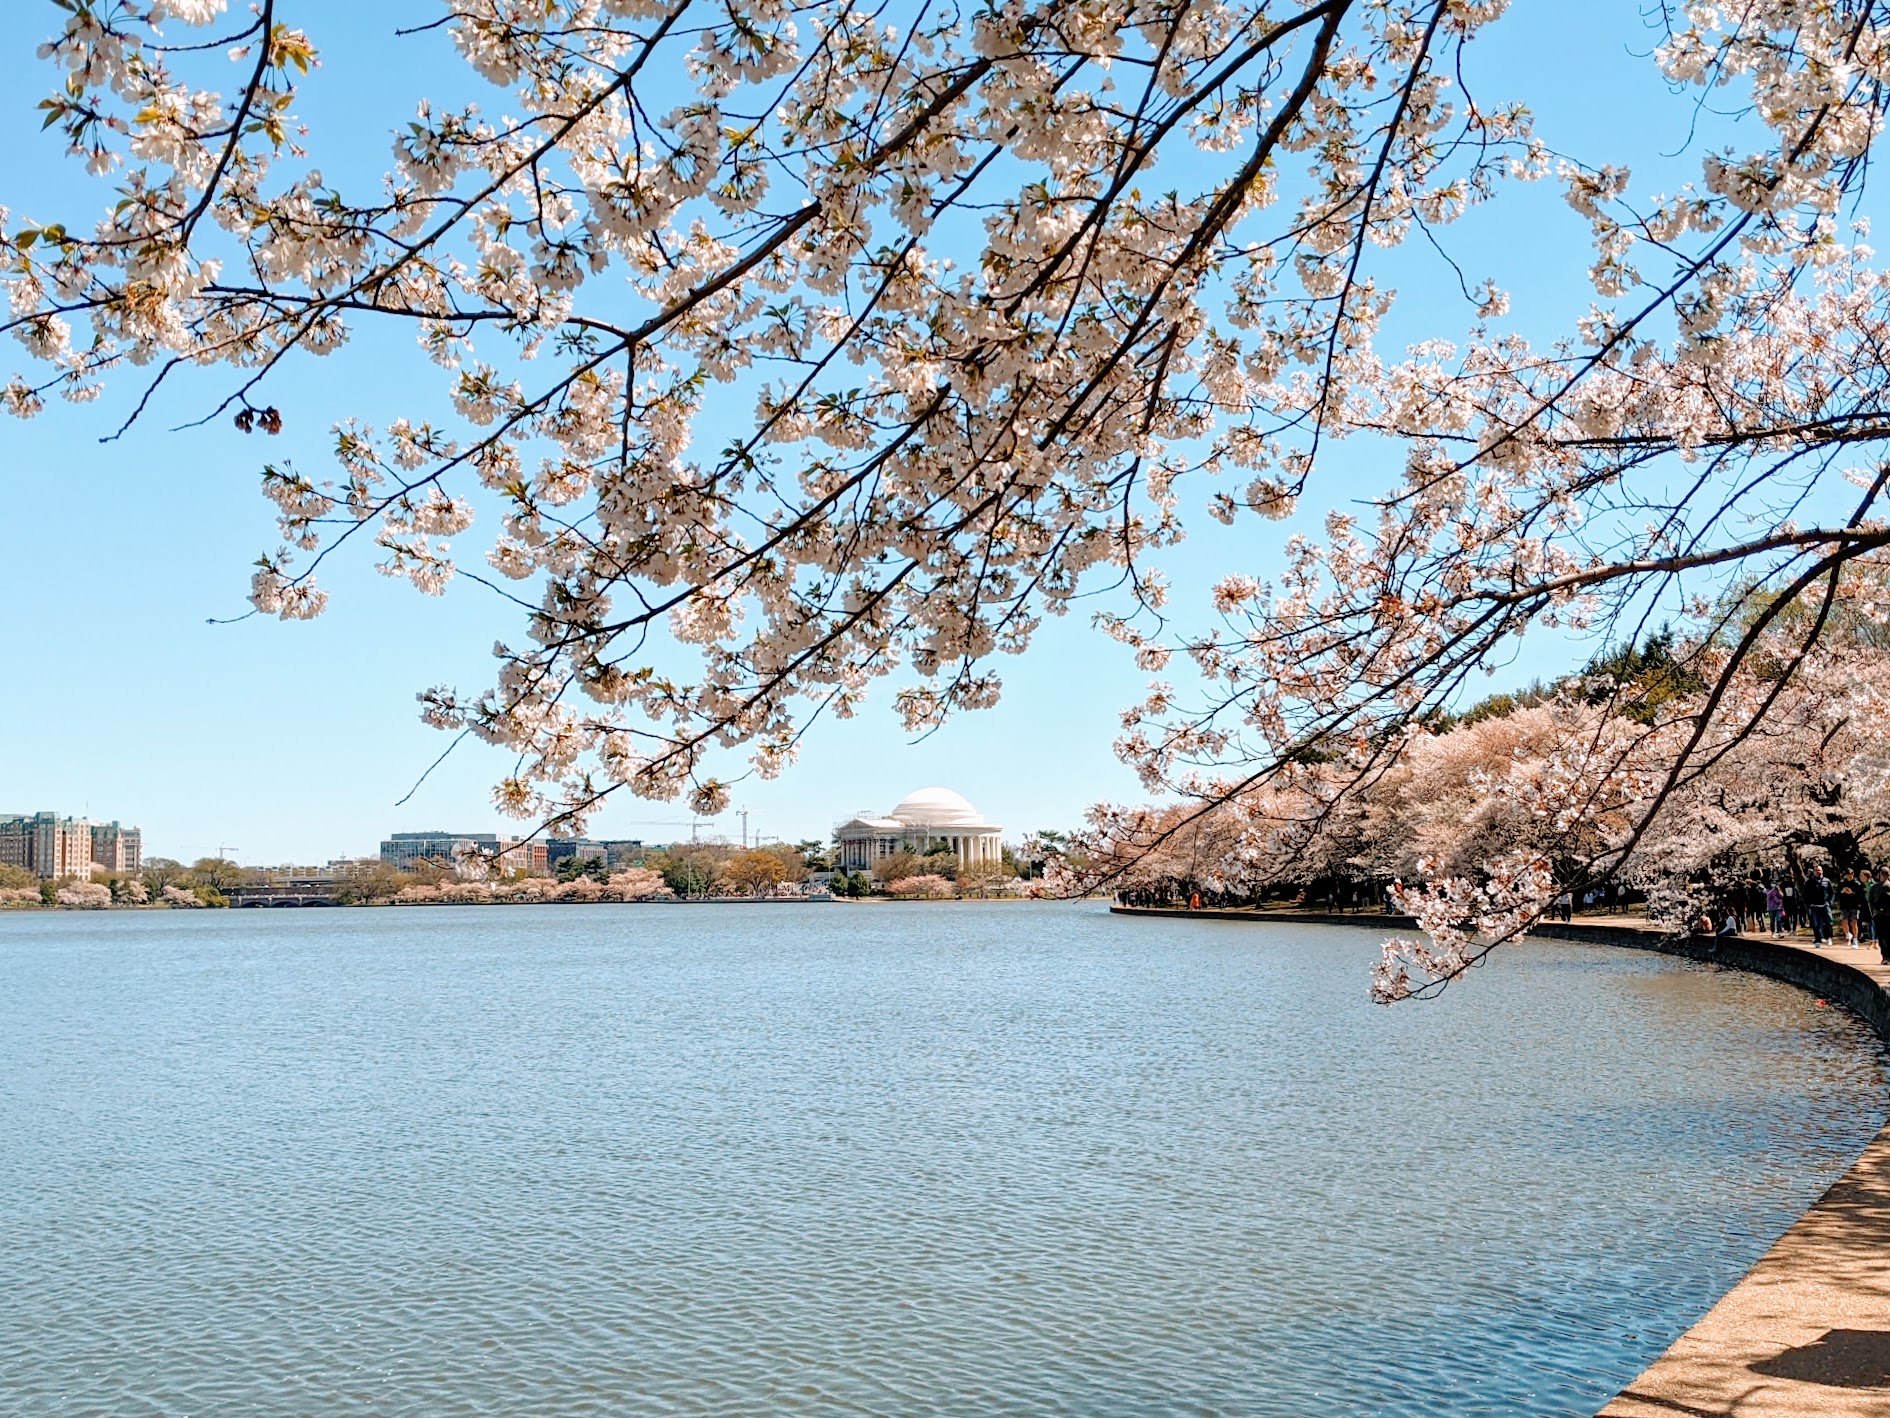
[(1806, 1333)]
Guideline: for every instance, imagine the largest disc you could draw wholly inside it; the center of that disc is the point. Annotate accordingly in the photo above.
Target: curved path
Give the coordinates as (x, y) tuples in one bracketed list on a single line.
[(1806, 1333)]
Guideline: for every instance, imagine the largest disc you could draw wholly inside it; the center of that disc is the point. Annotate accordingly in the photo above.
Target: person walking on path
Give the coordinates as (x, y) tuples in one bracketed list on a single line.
[(1775, 909), (1818, 906), (1850, 901), (1880, 912), (1877, 907)]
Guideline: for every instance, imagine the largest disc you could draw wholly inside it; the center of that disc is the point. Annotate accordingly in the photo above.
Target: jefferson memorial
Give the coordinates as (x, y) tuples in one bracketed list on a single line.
[(921, 823)]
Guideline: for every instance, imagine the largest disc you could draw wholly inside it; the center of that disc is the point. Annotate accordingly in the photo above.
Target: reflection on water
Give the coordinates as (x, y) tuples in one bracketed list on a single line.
[(1001, 1159)]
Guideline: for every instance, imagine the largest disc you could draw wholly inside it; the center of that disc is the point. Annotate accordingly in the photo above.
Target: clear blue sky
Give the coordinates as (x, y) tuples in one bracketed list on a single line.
[(294, 741)]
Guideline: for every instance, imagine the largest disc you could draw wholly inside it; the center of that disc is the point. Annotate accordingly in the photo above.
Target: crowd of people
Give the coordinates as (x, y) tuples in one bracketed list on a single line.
[(1852, 909), (1342, 896)]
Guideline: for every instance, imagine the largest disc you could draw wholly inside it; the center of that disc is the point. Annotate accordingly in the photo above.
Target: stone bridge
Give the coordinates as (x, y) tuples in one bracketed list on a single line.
[(295, 893)]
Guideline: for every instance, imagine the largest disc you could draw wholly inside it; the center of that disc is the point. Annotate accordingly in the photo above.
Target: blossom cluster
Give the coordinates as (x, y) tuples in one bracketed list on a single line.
[(785, 349)]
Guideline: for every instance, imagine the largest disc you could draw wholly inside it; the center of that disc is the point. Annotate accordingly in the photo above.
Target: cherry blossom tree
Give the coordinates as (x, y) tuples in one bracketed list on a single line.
[(912, 254), (927, 886), (637, 884), (793, 348), (88, 895), (1491, 817)]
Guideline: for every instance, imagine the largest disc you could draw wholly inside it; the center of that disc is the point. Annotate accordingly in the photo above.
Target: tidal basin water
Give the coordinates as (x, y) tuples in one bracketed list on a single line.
[(889, 1160)]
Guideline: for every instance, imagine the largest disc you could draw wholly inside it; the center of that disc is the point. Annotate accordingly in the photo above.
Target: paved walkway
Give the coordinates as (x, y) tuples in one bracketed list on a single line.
[(1807, 1332)]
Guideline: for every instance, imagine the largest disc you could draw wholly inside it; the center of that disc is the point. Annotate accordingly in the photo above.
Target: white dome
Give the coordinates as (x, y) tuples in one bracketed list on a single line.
[(937, 807)]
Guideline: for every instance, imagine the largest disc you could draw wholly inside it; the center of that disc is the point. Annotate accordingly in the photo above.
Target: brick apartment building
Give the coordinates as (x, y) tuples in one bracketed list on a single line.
[(51, 846)]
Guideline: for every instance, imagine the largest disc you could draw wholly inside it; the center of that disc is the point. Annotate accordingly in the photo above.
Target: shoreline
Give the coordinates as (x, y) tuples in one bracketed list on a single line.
[(1806, 1331), (307, 905)]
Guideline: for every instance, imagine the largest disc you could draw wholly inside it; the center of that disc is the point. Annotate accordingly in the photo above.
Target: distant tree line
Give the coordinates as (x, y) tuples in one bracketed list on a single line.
[(159, 882), (688, 870)]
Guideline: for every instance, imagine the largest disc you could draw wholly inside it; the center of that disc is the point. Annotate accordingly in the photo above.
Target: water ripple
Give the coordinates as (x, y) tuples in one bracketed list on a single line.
[(951, 1160)]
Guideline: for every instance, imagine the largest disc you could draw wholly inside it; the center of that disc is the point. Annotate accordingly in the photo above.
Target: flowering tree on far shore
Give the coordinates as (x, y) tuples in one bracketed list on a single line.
[(793, 347), (926, 886), (630, 884)]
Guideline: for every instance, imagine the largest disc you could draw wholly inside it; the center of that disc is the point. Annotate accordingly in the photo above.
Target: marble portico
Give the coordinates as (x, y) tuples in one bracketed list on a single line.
[(919, 824)]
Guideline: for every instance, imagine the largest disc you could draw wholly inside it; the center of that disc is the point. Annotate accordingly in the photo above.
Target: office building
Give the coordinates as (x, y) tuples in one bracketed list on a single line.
[(471, 853)]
